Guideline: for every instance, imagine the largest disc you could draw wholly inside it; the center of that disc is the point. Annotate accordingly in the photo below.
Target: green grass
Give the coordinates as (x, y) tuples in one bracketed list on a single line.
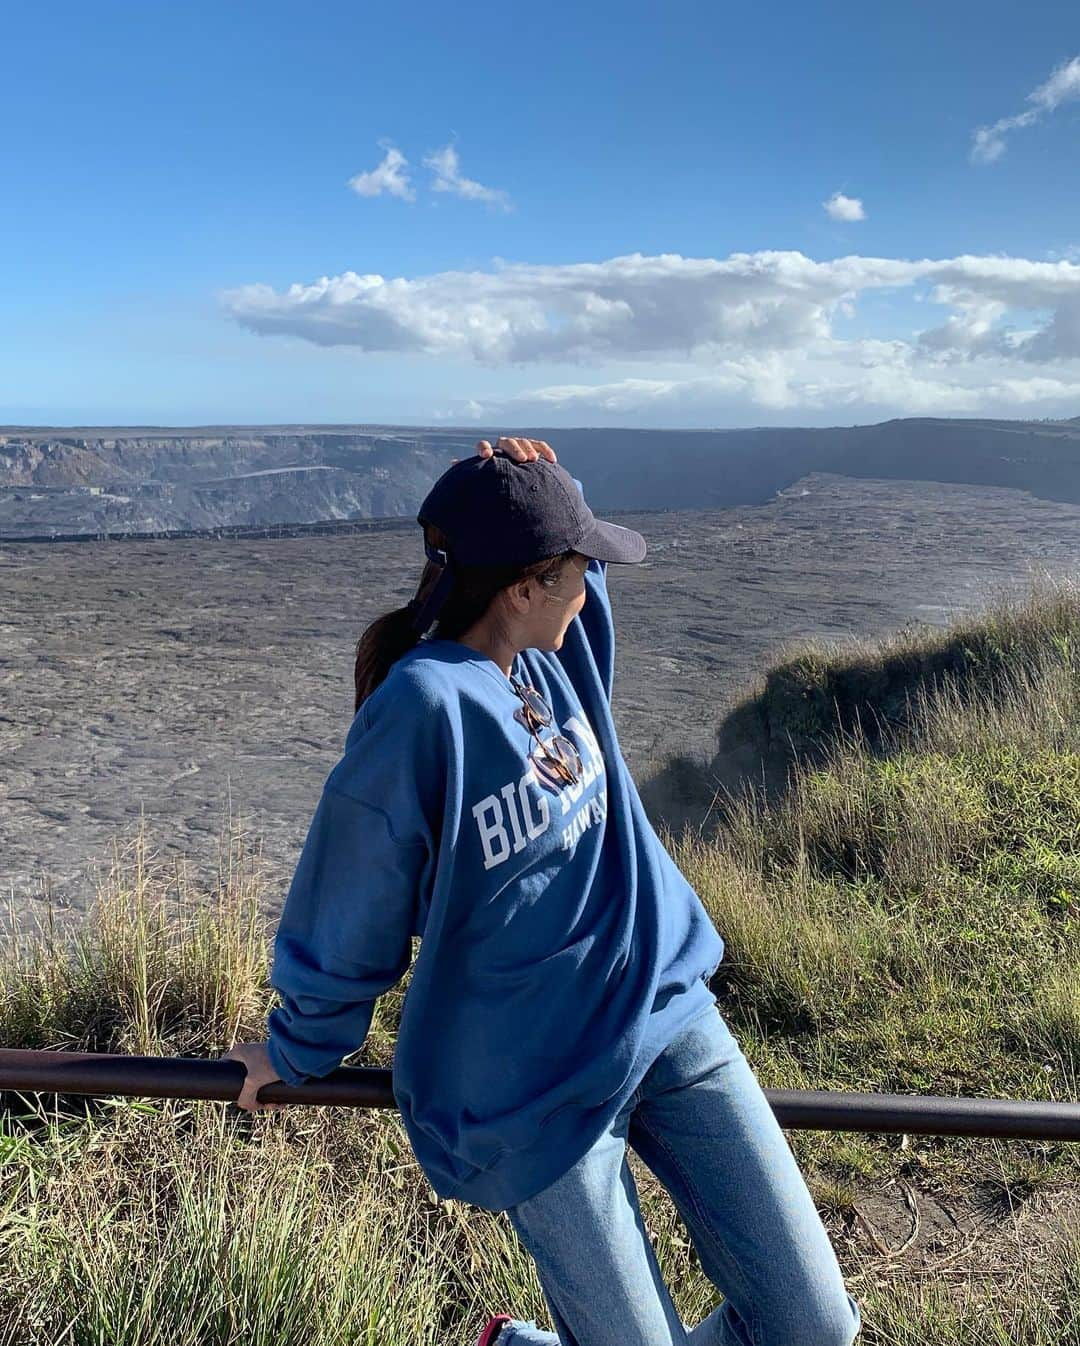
[(905, 916)]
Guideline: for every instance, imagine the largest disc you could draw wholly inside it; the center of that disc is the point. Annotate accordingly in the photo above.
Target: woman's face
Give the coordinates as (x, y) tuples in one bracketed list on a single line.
[(560, 604)]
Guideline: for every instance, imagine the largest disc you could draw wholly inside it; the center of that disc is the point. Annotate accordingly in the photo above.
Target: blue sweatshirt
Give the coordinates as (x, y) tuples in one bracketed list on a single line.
[(561, 947)]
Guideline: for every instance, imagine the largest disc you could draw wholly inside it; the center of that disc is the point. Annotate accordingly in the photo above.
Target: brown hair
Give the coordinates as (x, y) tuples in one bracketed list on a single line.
[(475, 588)]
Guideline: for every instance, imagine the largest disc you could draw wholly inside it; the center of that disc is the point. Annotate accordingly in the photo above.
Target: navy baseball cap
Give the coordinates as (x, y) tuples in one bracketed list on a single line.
[(498, 510)]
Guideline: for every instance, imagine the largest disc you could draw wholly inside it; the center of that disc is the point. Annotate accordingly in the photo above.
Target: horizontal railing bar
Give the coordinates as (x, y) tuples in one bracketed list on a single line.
[(105, 1074)]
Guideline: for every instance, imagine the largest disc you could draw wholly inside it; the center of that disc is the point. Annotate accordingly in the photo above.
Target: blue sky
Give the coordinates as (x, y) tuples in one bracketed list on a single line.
[(504, 216)]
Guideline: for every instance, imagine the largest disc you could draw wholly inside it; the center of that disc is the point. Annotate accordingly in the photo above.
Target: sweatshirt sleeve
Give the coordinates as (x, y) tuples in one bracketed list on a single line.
[(362, 884), (344, 936), (596, 618)]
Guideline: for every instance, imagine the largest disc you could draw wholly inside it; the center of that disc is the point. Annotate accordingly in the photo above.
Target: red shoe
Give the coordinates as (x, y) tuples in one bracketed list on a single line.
[(491, 1331)]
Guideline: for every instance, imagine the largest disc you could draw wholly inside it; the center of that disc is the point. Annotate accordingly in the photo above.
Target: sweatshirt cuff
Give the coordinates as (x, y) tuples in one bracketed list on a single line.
[(286, 1073)]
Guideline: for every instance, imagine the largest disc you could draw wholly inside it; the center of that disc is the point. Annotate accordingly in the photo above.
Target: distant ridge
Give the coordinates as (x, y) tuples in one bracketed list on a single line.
[(87, 480)]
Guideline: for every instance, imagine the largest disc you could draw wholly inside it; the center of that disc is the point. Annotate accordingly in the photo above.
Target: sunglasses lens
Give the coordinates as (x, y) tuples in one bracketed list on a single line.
[(537, 705), (569, 753)]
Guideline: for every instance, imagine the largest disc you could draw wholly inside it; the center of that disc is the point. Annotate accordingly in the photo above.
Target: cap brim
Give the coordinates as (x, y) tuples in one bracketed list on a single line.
[(611, 542)]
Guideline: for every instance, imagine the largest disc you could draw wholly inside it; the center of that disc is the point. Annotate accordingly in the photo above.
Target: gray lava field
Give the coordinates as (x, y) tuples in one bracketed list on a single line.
[(176, 678)]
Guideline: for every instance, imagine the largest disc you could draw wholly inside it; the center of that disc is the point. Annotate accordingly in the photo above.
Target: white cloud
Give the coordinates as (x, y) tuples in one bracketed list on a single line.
[(857, 387), (648, 307), (444, 164), (1062, 86), (751, 331), (841, 207), (971, 329), (389, 178)]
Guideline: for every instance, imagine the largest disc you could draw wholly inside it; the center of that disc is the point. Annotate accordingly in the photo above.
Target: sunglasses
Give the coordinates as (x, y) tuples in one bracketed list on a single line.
[(565, 761)]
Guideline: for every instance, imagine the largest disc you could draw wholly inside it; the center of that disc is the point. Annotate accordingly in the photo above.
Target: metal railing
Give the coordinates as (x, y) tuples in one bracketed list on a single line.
[(105, 1074)]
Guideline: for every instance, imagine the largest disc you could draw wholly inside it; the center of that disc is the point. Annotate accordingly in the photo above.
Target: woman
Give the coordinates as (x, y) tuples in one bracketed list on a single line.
[(559, 1004)]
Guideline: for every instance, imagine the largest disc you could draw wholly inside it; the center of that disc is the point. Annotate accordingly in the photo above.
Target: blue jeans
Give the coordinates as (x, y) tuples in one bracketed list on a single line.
[(701, 1123)]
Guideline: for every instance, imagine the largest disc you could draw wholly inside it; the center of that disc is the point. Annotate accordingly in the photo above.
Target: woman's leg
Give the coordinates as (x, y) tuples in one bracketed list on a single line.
[(593, 1256), (705, 1128)]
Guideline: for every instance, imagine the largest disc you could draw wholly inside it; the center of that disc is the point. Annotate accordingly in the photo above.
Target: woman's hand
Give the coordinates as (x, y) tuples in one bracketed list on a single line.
[(259, 1072), (522, 449)]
